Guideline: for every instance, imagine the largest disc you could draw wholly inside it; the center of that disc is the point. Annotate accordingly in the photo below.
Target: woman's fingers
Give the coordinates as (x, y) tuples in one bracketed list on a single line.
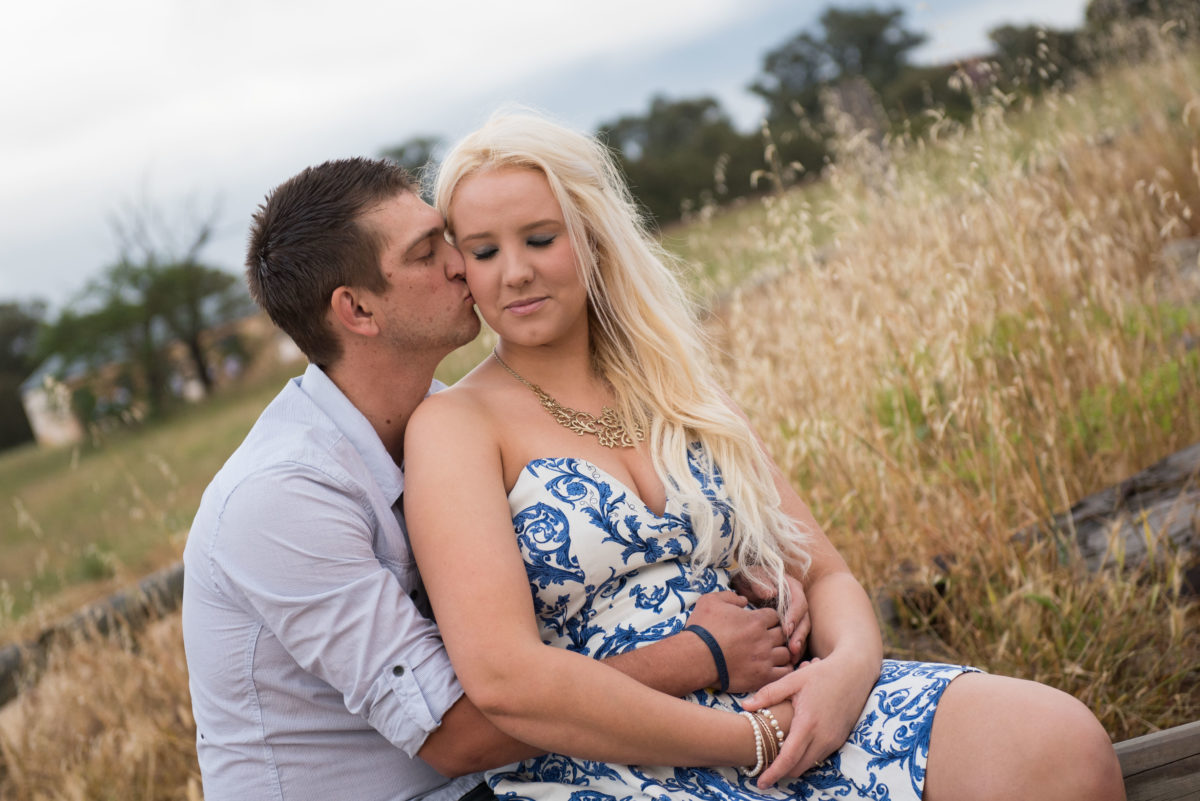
[(778, 690), (797, 603), (794, 752), (798, 639), (783, 688)]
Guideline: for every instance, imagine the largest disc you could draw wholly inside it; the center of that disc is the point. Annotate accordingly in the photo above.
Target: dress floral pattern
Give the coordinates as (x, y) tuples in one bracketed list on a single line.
[(608, 575)]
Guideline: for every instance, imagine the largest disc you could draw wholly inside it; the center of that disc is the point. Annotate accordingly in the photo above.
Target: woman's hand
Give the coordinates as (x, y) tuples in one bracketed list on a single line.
[(827, 696)]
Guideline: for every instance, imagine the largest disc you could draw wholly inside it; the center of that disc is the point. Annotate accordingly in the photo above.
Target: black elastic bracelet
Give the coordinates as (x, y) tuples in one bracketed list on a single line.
[(717, 655)]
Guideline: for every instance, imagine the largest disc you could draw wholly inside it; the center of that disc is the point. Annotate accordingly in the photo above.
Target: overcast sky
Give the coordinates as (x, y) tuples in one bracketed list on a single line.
[(202, 104)]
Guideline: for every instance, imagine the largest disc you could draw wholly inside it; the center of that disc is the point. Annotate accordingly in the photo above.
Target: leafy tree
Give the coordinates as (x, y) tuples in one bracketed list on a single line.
[(919, 88), (154, 294), (18, 334), (1032, 57), (864, 42), (683, 151), (867, 42), (111, 322), (189, 298), (850, 56), (420, 156), (19, 324), (1103, 14), (792, 75)]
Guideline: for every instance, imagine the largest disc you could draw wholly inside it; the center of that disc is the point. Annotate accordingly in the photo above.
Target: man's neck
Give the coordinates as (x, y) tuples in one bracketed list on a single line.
[(385, 391)]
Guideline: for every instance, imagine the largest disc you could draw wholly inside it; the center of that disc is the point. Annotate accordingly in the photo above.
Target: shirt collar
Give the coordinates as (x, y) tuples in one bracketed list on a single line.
[(355, 427)]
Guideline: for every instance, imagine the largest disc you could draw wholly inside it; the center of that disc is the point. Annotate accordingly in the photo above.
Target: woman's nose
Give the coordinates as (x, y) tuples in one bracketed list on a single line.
[(517, 271)]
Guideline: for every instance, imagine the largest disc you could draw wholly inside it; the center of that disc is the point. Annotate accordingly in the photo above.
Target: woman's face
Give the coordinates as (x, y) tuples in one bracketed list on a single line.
[(520, 266)]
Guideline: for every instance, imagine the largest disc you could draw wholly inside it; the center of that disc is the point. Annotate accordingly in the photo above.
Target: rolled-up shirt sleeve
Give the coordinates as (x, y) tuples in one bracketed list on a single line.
[(329, 598)]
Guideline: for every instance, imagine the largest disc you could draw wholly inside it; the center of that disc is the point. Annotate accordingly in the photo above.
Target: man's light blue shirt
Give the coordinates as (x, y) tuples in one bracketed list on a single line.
[(314, 673)]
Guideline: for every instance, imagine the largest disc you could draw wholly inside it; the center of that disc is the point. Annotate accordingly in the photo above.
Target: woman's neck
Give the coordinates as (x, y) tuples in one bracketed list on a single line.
[(566, 367)]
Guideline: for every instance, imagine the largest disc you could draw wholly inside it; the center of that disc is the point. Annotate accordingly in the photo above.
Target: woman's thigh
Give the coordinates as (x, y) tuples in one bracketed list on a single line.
[(996, 737)]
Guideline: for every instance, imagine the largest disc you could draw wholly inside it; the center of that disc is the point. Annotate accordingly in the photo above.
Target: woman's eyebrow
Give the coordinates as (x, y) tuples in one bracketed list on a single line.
[(527, 227), (540, 223), (476, 235)]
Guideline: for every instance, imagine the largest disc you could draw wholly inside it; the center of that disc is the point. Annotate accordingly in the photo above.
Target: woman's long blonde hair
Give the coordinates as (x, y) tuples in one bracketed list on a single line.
[(645, 339)]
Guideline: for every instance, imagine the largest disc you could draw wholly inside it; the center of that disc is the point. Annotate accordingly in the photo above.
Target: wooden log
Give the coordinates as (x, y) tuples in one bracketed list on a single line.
[(1162, 766), (129, 610)]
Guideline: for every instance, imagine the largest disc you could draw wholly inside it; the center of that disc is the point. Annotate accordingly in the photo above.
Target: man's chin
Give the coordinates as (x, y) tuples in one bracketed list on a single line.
[(469, 332)]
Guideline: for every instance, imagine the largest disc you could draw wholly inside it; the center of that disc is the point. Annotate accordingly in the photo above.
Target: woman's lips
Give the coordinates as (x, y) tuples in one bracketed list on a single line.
[(527, 306)]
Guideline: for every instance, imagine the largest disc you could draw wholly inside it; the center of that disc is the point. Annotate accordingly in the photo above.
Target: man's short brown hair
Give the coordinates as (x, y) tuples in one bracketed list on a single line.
[(307, 239)]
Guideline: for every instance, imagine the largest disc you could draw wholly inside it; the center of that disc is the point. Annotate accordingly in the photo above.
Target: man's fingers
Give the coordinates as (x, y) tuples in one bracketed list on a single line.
[(728, 597), (767, 617), (777, 673)]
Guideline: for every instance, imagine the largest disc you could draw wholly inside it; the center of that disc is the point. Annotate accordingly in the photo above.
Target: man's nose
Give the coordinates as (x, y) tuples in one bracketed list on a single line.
[(456, 266)]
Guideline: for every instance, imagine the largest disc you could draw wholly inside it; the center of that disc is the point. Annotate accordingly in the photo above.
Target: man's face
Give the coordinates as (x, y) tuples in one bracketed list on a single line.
[(426, 305)]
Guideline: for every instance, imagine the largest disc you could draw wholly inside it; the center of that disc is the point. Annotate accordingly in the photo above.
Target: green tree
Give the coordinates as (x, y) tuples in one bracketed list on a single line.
[(154, 294), (190, 297), (1103, 14), (865, 42), (420, 156), (681, 152), (919, 88), (19, 323), (1033, 58), (111, 322)]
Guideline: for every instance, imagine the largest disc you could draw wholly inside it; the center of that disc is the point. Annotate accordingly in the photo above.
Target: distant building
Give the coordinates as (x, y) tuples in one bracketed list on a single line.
[(47, 403)]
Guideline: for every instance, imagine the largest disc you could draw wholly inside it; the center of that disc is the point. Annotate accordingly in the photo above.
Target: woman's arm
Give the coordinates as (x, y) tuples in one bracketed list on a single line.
[(462, 536), (827, 695)]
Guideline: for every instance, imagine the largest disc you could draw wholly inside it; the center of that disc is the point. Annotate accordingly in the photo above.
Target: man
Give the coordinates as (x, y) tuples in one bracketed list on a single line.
[(316, 670)]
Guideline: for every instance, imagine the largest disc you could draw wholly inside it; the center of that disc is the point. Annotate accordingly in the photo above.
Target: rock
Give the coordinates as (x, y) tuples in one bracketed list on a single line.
[(1141, 517)]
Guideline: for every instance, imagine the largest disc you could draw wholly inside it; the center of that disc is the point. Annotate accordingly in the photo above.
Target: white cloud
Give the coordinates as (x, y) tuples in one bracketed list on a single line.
[(208, 97)]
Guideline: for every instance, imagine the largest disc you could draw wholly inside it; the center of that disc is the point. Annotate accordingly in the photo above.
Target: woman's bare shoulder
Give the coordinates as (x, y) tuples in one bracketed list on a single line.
[(463, 408)]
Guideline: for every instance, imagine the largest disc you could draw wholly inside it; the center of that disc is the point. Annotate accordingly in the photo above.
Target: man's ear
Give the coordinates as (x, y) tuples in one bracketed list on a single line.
[(350, 309)]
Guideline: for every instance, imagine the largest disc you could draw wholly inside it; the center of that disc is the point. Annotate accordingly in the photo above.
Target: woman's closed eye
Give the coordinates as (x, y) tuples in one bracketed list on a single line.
[(485, 252)]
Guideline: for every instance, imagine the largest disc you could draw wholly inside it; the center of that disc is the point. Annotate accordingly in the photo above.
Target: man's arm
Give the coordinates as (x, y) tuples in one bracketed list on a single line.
[(295, 549), (751, 640)]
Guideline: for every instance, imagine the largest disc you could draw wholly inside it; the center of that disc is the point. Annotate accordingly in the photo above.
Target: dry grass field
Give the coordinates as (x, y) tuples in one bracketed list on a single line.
[(984, 331)]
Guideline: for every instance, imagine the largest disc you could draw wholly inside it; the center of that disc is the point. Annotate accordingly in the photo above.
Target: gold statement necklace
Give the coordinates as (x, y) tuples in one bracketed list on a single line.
[(609, 430)]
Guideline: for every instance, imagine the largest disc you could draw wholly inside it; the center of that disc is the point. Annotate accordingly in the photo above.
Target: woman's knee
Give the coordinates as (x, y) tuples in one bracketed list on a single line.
[(996, 737)]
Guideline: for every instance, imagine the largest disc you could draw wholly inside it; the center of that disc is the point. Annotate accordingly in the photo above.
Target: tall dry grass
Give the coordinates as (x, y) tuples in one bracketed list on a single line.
[(991, 335), (110, 721), (985, 334)]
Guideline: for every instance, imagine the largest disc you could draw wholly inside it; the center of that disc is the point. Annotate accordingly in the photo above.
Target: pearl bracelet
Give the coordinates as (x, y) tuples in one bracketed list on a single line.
[(776, 730), (759, 762)]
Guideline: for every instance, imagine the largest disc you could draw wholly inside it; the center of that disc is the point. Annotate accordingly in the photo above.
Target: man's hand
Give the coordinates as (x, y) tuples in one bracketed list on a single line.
[(796, 623), (752, 640)]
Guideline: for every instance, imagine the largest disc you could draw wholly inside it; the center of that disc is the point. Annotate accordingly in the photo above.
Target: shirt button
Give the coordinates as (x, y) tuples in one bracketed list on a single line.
[(398, 670)]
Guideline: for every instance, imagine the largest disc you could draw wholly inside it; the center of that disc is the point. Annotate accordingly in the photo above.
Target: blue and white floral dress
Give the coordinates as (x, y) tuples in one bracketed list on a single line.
[(609, 575)]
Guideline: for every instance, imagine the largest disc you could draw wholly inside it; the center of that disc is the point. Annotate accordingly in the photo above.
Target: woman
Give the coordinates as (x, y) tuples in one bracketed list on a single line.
[(634, 486)]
